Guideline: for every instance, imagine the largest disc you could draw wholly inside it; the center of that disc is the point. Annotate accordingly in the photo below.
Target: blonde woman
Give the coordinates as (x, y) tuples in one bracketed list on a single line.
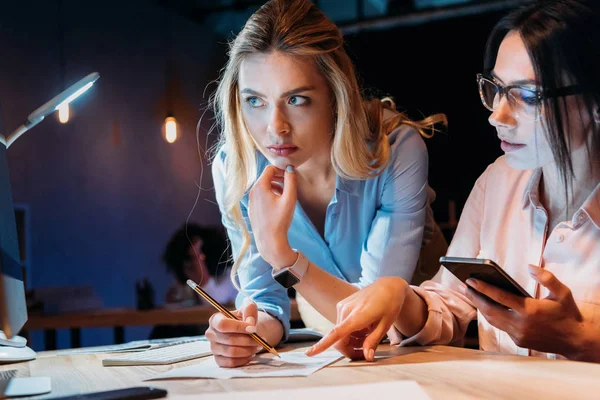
[(319, 189)]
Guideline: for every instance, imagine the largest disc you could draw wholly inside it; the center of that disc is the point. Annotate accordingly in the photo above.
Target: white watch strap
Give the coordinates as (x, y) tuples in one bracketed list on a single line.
[(301, 265)]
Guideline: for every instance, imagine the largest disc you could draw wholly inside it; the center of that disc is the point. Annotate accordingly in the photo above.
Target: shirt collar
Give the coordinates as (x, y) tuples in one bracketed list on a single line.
[(531, 196), (591, 206), (349, 186)]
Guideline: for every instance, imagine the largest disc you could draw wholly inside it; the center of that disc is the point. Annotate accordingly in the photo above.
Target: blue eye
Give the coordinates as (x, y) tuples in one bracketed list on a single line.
[(526, 96), (529, 98), (298, 100), (255, 101)]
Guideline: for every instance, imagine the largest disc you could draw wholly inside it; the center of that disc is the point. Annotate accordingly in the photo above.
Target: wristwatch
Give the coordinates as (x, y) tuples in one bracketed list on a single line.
[(290, 276)]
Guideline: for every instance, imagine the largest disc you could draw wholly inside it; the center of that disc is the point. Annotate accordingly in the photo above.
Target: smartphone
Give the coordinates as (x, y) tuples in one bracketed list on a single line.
[(484, 270), (132, 393)]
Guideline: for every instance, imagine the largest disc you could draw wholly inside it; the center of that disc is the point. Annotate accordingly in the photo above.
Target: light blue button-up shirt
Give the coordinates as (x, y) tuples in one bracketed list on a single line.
[(373, 227)]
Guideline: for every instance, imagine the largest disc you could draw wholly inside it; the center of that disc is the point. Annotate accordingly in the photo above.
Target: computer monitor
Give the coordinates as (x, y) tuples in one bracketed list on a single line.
[(13, 305), (13, 308)]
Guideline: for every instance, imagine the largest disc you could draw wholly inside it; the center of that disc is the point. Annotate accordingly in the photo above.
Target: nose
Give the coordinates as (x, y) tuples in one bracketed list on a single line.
[(278, 122), (503, 116)]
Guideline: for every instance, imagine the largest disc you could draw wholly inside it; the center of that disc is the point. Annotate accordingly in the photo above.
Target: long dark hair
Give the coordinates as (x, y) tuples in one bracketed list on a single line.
[(562, 38)]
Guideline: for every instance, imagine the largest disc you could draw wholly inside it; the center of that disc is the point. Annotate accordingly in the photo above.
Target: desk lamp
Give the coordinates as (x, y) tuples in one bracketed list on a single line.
[(13, 309)]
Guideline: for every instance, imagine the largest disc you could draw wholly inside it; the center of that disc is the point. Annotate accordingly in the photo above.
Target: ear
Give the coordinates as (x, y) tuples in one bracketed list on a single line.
[(596, 115)]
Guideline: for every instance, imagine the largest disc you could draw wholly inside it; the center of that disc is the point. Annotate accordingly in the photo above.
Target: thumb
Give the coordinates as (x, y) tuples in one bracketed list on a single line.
[(372, 341), (250, 314), (547, 279), (290, 185)]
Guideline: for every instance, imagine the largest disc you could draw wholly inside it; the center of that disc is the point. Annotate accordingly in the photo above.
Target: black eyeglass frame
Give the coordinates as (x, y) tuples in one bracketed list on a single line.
[(540, 95)]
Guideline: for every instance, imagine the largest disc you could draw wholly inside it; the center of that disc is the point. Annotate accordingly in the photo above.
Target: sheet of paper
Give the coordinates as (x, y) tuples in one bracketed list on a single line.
[(397, 390), (290, 364)]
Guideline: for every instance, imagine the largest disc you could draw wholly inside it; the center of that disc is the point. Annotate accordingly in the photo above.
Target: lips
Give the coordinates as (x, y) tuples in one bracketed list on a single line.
[(507, 146), (282, 150)]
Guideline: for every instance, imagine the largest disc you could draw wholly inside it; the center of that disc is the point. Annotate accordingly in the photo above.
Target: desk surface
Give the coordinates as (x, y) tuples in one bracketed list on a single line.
[(129, 317), (444, 372)]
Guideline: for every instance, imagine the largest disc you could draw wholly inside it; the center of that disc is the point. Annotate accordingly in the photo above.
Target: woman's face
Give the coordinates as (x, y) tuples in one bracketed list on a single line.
[(524, 140), (287, 107)]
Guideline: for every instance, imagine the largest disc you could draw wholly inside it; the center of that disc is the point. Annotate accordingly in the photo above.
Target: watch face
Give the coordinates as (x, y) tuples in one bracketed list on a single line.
[(286, 278)]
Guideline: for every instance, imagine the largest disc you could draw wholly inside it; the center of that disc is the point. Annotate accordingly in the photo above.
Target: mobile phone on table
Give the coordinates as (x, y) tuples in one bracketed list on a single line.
[(132, 393), (484, 270)]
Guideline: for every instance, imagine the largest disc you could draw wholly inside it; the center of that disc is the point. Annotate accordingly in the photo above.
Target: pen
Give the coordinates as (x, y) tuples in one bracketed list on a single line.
[(225, 311)]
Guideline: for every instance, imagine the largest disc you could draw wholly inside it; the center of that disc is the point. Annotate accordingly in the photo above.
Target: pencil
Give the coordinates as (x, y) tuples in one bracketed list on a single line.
[(225, 311)]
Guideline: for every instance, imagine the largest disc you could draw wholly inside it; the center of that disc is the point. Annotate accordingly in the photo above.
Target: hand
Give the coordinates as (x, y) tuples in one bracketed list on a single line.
[(364, 318), (547, 325), (271, 210), (229, 339)]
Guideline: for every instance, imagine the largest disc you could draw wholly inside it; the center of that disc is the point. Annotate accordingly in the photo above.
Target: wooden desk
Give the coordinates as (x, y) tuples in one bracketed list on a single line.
[(444, 372), (119, 318)]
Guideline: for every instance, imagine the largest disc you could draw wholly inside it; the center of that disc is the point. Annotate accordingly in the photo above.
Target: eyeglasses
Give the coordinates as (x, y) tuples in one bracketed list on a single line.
[(524, 101)]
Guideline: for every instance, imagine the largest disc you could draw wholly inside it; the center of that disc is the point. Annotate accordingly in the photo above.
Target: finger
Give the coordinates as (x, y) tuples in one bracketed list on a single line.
[(350, 347), (372, 341), (337, 333), (557, 289), (226, 362), (277, 188), (496, 315), (264, 181), (359, 335), (498, 295), (225, 324), (219, 349), (250, 316), (216, 316), (290, 185), (230, 339)]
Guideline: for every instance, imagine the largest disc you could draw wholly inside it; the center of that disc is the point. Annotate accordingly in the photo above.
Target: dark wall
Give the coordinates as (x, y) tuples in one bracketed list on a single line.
[(430, 69)]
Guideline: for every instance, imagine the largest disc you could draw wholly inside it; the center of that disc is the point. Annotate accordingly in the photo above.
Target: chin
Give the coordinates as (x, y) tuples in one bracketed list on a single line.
[(283, 162), (526, 163), (515, 163)]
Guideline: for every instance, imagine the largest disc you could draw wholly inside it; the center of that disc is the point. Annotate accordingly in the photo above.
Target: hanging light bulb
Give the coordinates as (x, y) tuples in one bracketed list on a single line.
[(170, 129), (63, 113), (170, 126)]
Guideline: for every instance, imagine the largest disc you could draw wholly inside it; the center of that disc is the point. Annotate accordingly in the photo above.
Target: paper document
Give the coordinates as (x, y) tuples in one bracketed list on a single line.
[(396, 390), (263, 365)]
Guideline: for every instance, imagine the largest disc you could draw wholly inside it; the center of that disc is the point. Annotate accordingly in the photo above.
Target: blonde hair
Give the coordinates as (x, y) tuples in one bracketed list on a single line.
[(360, 148)]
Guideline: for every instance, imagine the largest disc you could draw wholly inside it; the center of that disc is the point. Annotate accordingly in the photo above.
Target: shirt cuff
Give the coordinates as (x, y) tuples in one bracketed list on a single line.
[(432, 329), (274, 311)]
